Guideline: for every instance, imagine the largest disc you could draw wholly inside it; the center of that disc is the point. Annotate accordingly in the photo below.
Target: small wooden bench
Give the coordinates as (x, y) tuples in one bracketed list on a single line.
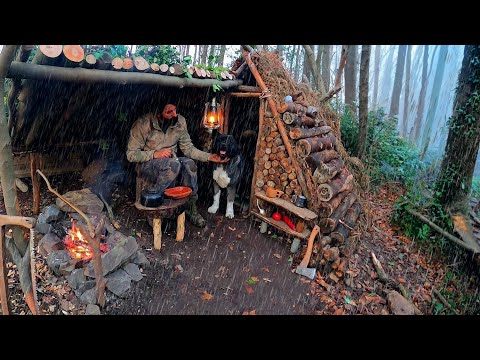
[(170, 208)]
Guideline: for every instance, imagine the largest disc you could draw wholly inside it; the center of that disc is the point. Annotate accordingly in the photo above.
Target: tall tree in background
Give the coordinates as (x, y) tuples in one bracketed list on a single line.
[(326, 62), (351, 78), (432, 108), (397, 83), (407, 91), (455, 180), (221, 55), (363, 105), (376, 73), (280, 49), (297, 64), (417, 124)]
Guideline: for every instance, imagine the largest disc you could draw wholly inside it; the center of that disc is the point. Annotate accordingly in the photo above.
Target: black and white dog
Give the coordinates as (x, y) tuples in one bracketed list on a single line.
[(226, 175)]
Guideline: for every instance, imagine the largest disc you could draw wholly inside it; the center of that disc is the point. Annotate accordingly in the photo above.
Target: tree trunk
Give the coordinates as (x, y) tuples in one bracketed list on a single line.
[(455, 179), (421, 101), (376, 72), (407, 91), (306, 66), (297, 64), (221, 55), (432, 108), (397, 83), (363, 105), (203, 55), (314, 70), (326, 61), (7, 176), (351, 79)]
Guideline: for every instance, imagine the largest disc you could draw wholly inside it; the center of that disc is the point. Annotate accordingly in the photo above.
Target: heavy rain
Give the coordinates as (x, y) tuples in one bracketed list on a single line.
[(240, 179)]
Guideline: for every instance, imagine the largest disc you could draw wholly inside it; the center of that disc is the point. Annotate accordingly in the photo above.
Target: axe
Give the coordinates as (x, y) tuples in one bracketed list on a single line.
[(302, 269)]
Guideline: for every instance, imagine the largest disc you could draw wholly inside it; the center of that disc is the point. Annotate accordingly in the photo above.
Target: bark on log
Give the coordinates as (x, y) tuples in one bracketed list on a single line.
[(337, 184), (105, 61), (315, 159), (315, 144), (327, 208), (344, 227), (326, 171), (292, 107), (30, 71), (327, 225), (304, 120), (299, 133)]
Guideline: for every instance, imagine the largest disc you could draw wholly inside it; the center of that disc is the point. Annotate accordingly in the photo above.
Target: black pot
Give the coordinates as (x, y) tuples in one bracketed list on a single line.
[(151, 199)]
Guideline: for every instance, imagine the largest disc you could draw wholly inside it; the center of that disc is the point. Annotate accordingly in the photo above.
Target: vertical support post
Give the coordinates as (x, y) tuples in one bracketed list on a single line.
[(35, 163), (157, 233), (226, 114), (3, 276), (255, 161), (181, 226)]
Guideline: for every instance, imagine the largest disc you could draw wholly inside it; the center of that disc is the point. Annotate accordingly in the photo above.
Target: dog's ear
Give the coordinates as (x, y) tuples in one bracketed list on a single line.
[(232, 146)]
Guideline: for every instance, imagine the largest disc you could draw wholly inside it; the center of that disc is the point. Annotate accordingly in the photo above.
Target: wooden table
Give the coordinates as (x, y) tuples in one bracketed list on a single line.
[(169, 208)]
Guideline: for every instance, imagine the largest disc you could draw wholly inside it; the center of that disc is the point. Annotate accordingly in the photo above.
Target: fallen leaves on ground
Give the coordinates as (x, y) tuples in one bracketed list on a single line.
[(206, 296)]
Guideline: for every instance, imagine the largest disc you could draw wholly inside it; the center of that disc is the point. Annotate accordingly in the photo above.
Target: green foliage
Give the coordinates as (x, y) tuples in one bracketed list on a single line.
[(476, 187), (388, 156), (162, 54)]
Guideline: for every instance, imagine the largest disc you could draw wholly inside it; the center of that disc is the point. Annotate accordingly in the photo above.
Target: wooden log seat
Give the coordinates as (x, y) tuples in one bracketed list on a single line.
[(169, 209)]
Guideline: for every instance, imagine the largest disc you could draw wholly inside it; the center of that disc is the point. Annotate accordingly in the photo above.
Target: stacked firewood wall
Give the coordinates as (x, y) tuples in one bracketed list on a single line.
[(274, 167), (336, 203)]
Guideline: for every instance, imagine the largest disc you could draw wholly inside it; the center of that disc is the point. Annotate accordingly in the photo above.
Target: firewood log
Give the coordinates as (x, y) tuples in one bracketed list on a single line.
[(74, 55), (338, 184), (299, 133), (327, 170), (51, 51), (105, 61), (315, 159), (89, 62), (164, 69), (140, 64), (154, 68), (327, 208), (344, 227), (314, 144), (117, 64), (303, 120), (178, 70), (127, 64), (327, 225), (291, 107)]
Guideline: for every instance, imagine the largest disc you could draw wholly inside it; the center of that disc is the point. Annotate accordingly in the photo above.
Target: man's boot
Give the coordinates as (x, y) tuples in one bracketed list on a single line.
[(192, 213)]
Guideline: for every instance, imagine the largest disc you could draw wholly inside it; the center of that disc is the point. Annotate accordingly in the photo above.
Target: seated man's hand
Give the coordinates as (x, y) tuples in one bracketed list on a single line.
[(164, 153), (216, 158)]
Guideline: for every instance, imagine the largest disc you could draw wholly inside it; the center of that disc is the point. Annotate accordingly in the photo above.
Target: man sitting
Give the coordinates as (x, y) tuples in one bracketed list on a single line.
[(153, 143)]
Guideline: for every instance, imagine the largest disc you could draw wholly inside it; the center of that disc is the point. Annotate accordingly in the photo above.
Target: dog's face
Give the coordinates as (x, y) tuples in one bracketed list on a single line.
[(225, 146)]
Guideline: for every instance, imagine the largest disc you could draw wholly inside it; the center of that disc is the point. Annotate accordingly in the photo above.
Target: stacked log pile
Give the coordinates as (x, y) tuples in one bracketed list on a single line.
[(336, 204), (274, 167)]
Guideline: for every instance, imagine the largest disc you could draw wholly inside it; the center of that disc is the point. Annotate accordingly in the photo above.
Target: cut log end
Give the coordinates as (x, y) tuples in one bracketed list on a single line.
[(51, 51), (73, 53)]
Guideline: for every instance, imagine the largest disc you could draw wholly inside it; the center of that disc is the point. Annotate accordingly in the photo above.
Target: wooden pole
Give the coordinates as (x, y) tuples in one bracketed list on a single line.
[(247, 94), (3, 276), (181, 226), (255, 161), (157, 233), (44, 72), (226, 114), (281, 127)]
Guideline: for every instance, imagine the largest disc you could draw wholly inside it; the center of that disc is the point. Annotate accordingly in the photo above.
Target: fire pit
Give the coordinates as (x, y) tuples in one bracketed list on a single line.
[(78, 246)]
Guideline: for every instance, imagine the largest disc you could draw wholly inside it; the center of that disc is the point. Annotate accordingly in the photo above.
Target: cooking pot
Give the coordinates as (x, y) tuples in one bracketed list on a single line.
[(149, 198)]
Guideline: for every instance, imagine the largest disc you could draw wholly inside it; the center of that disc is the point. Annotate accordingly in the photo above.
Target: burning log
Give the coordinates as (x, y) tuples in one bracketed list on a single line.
[(344, 227), (338, 184), (315, 159), (326, 171), (299, 133), (327, 225), (314, 144)]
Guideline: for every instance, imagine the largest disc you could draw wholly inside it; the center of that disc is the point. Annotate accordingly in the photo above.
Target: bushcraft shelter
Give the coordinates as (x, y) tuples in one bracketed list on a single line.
[(66, 111)]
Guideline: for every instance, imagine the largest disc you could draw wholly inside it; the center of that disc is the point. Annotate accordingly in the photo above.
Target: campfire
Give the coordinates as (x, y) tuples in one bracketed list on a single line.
[(77, 244)]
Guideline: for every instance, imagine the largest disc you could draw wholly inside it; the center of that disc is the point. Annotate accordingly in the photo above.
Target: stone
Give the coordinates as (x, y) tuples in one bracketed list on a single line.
[(84, 199)]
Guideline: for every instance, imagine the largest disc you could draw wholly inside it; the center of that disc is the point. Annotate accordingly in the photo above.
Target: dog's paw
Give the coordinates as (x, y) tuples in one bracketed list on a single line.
[(229, 214), (213, 209)]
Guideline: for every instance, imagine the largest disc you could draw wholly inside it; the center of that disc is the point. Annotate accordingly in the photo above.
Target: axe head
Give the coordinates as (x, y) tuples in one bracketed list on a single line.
[(305, 271)]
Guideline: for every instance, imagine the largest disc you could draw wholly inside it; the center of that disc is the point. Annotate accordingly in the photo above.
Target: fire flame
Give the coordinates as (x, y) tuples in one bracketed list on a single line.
[(78, 246)]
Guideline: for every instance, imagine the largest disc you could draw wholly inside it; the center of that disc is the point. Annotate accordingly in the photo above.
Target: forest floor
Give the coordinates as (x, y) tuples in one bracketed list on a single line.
[(229, 267)]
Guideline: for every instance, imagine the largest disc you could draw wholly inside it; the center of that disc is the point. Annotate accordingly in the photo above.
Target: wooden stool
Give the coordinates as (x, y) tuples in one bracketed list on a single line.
[(169, 208)]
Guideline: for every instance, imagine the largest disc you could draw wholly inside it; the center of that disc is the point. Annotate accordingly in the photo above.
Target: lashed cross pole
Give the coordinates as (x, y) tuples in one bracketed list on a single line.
[(276, 117)]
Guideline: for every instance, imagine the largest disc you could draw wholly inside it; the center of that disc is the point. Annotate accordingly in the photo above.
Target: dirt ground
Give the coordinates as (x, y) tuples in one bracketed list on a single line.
[(230, 268)]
